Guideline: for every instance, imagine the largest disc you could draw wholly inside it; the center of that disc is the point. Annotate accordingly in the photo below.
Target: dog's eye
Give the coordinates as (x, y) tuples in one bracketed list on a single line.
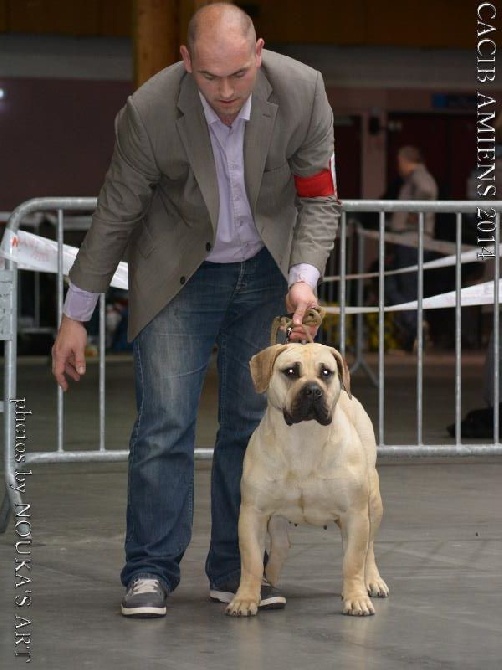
[(293, 372), (325, 373)]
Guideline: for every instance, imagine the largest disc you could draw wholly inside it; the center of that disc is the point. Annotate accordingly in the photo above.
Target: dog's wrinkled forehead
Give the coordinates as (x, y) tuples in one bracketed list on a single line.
[(308, 359), (298, 361)]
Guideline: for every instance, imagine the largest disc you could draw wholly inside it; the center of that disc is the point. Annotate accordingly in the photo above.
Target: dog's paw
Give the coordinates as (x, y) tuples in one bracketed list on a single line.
[(377, 588), (242, 606), (359, 605)]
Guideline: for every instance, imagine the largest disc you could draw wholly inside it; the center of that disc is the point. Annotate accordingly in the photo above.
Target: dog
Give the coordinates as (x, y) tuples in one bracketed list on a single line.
[(311, 460)]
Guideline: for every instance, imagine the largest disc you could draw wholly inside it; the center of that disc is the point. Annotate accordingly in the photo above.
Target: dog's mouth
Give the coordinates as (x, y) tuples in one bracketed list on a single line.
[(310, 405)]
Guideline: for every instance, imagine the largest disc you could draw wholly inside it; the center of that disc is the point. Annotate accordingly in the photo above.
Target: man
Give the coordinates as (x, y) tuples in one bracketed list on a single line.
[(418, 184), (220, 188)]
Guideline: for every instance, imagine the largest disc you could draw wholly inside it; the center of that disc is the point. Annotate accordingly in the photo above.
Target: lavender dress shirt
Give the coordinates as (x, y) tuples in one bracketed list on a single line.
[(236, 237)]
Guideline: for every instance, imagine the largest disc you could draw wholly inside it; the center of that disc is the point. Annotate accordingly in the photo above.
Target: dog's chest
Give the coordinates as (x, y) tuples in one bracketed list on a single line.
[(312, 499)]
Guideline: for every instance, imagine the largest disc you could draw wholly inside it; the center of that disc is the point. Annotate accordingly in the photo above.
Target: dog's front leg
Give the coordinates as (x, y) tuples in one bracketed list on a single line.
[(279, 547), (252, 531), (356, 532)]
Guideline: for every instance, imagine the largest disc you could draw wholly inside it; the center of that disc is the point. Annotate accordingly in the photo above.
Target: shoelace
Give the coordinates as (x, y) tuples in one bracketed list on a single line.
[(145, 585)]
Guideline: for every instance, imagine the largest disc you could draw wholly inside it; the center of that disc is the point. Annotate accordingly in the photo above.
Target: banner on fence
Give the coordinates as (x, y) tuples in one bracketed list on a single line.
[(40, 254)]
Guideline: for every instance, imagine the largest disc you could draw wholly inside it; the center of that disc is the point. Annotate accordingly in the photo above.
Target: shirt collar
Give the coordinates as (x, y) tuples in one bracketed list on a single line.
[(212, 117)]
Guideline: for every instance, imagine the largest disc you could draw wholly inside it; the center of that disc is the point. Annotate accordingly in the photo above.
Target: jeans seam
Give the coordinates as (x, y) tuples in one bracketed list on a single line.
[(137, 424), (223, 380), (239, 285)]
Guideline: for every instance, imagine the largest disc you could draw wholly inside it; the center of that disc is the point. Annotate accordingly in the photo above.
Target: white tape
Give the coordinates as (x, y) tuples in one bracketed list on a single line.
[(479, 294), (446, 261), (40, 254)]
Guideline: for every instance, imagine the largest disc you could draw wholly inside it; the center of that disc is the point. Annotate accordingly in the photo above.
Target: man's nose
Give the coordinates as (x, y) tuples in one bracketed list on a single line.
[(226, 89)]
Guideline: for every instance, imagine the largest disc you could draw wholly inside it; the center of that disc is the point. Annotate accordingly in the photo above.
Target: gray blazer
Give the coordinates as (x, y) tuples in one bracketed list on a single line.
[(159, 204)]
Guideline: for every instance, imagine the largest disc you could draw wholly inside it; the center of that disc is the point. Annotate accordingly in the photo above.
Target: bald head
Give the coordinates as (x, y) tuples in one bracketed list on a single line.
[(220, 22), (223, 56)]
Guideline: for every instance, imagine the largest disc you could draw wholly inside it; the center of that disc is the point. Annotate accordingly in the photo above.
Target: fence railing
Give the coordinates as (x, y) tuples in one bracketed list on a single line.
[(348, 264)]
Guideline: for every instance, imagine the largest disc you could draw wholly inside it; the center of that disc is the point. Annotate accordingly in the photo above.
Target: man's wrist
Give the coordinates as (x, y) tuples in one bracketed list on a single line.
[(304, 273), (79, 304)]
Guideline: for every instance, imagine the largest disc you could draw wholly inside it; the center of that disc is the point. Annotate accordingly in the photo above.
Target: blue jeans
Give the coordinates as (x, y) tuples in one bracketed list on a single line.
[(404, 288), (231, 305)]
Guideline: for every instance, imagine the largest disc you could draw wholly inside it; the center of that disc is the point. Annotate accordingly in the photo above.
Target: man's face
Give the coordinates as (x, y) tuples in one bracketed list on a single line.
[(403, 165), (225, 73)]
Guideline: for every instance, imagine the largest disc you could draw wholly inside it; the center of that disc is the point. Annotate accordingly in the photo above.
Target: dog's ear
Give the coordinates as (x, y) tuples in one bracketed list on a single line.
[(262, 365), (343, 370)]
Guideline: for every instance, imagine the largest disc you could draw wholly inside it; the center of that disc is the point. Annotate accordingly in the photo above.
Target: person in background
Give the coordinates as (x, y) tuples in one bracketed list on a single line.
[(418, 184), (221, 189)]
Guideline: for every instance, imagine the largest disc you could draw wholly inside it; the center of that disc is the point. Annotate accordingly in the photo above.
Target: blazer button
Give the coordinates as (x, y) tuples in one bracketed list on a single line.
[(183, 280), (208, 246)]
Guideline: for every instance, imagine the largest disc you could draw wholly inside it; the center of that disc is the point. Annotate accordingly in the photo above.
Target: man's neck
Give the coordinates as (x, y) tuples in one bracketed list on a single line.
[(227, 119)]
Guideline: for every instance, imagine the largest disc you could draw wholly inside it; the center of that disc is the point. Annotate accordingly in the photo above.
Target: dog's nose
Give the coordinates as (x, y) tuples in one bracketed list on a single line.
[(313, 391)]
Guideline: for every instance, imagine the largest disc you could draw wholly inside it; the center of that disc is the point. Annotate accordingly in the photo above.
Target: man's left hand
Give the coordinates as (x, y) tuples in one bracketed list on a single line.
[(300, 297)]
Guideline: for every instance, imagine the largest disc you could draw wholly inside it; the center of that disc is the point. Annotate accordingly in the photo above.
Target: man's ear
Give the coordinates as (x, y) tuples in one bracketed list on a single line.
[(262, 365), (259, 48), (187, 60)]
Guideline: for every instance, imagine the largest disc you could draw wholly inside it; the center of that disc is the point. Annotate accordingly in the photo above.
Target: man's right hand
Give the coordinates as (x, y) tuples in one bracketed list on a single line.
[(68, 352)]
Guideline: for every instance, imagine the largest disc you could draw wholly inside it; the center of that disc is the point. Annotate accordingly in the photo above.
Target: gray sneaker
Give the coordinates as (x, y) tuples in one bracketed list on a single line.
[(271, 597), (145, 598)]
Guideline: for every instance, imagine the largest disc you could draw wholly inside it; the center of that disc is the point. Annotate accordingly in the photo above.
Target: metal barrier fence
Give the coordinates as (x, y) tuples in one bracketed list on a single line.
[(339, 263)]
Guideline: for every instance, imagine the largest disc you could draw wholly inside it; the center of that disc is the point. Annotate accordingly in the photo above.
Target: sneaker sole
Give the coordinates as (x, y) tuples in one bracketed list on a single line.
[(144, 612), (221, 596), (271, 603)]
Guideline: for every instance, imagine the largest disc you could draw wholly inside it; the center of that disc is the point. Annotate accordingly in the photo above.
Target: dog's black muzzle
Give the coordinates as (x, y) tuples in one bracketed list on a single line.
[(310, 405)]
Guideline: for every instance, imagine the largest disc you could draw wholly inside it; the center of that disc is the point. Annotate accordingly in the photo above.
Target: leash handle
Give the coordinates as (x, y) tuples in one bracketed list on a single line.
[(312, 317)]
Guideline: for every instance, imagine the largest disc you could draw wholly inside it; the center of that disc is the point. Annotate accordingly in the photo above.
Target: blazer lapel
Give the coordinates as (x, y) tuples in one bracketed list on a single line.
[(257, 137), (194, 135)]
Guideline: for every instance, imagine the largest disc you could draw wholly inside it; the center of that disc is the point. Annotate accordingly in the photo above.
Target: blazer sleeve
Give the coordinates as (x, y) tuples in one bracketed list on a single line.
[(317, 220), (122, 203)]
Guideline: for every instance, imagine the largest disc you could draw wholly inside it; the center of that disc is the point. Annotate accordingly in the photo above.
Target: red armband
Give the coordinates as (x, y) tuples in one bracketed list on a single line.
[(322, 183)]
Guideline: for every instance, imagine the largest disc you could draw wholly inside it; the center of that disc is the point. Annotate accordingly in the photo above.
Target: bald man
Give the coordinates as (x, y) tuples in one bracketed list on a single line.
[(221, 194)]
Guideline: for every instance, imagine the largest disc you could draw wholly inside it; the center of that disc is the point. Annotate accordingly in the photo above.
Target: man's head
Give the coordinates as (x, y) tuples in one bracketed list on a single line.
[(223, 56), (408, 158)]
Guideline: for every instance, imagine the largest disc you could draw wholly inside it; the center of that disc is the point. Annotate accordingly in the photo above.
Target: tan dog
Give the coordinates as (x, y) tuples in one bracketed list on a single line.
[(311, 460)]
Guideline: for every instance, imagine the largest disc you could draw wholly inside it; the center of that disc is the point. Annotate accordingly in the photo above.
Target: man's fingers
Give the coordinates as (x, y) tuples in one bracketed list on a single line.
[(61, 381), (300, 310), (72, 372), (80, 365), (300, 298), (68, 352), (67, 364)]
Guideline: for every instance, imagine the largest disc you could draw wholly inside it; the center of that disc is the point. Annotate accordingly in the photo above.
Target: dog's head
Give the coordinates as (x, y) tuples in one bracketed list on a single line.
[(303, 381)]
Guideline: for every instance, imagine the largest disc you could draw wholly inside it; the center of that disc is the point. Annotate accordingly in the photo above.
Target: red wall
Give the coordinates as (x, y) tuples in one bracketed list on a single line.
[(56, 136)]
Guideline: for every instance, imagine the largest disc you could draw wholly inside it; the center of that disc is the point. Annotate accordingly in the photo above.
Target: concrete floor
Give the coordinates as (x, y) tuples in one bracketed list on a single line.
[(439, 549)]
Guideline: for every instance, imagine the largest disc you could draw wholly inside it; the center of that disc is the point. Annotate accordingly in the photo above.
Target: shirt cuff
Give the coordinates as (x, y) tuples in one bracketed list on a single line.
[(79, 304), (304, 272)]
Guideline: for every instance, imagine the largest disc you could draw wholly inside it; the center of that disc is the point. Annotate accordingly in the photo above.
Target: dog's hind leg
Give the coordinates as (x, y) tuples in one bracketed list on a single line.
[(279, 547), (374, 583)]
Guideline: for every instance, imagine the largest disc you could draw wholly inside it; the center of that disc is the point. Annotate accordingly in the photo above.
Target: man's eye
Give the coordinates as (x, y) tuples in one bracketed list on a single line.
[(240, 74), (208, 77)]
